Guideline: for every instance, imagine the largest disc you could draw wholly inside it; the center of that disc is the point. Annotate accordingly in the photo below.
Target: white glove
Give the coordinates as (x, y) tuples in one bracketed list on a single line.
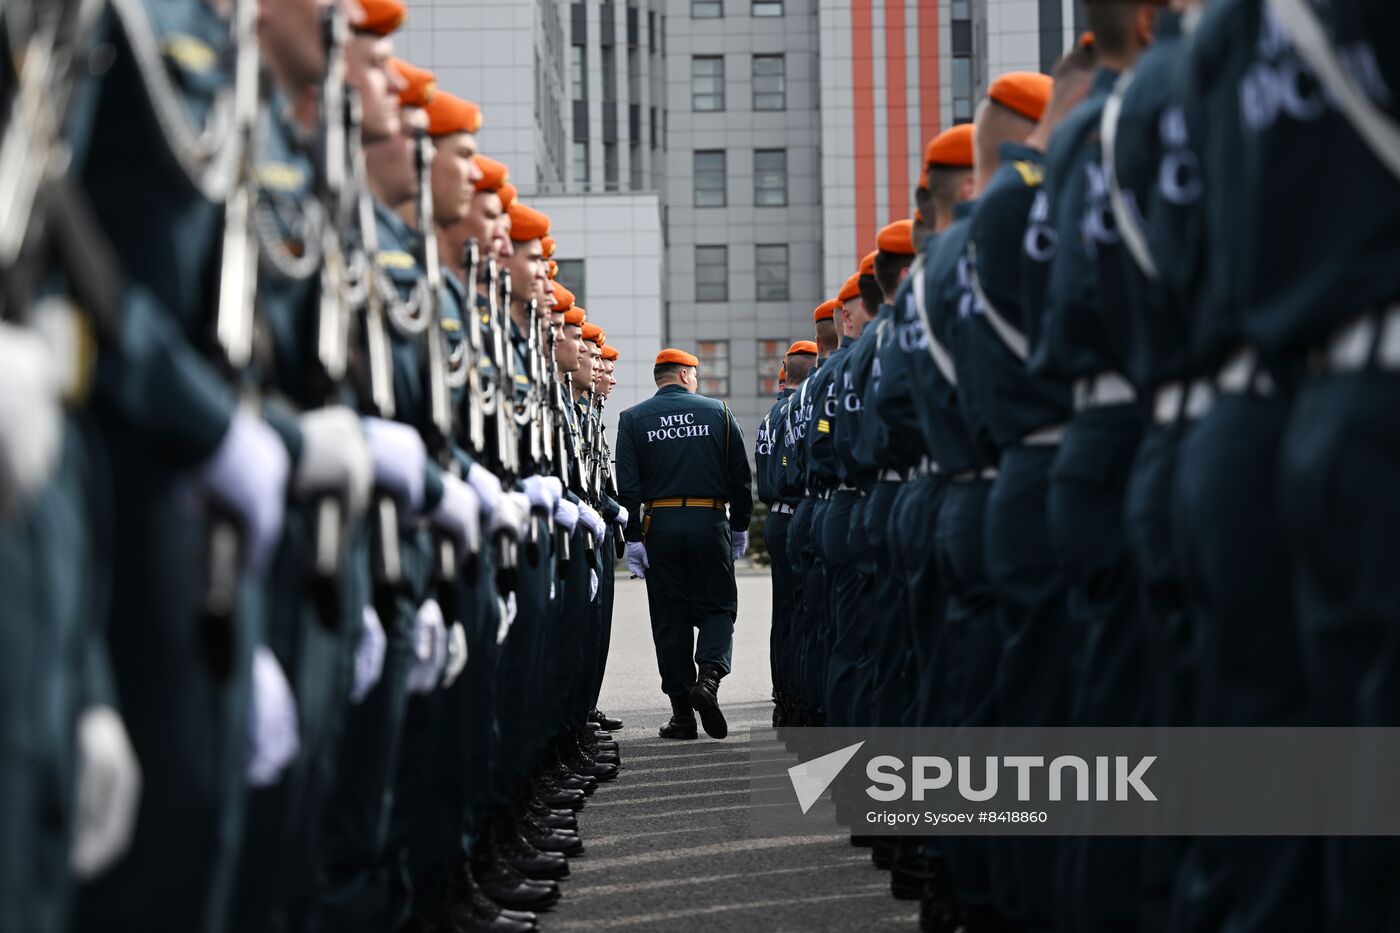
[(456, 655), (512, 515), (592, 584), (566, 515), (508, 608), (108, 792), (399, 461), (429, 648), (31, 417), (590, 519), (621, 519), (272, 740), (637, 558), (739, 543), (335, 458), (487, 488), (369, 656), (542, 493), (459, 514), (248, 475)]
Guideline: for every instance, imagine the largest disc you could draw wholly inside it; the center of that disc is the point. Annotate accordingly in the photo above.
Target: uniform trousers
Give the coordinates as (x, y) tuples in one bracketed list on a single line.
[(849, 587), (1240, 584), (781, 641), (52, 665), (1341, 465), (188, 721), (581, 636), (607, 592), (811, 617), (691, 593), (313, 634), (522, 684), (1034, 670), (972, 652), (893, 666)]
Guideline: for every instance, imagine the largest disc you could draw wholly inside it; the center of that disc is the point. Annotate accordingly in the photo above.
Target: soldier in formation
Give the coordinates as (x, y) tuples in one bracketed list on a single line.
[(307, 511), (1106, 441)]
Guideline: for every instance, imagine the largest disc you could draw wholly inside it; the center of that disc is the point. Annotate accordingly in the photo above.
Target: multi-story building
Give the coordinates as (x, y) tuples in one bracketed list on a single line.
[(716, 168)]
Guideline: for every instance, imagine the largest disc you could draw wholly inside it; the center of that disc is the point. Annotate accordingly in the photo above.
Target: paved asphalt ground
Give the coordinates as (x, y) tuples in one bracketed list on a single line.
[(668, 843)]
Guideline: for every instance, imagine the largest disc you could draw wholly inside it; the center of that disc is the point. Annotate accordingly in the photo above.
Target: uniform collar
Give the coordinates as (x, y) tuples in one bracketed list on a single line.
[(846, 341), (1104, 79), (964, 209), (1018, 152), (672, 389)]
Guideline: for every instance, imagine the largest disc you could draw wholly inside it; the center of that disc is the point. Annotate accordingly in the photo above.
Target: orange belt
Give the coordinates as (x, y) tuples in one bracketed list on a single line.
[(686, 503)]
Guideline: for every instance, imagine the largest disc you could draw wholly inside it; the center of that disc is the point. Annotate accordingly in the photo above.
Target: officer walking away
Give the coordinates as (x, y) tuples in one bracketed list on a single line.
[(683, 456)]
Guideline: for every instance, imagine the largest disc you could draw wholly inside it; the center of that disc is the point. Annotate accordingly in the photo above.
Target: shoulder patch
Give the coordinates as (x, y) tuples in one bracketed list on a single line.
[(188, 53), (451, 325), (280, 176), (394, 259), (1030, 173)]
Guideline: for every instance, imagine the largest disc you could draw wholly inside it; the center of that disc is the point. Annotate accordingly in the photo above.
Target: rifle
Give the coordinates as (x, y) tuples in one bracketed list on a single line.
[(529, 412), (234, 332), (554, 441), (498, 405), (333, 317), (42, 212), (377, 375), (609, 478), (439, 399), (476, 406)]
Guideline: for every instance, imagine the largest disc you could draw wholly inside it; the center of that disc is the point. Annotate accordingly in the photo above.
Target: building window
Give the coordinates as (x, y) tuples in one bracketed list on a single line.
[(707, 82), (581, 161), (771, 359), (578, 71), (767, 7), (961, 9), (714, 367), (706, 9), (962, 88), (634, 166), (771, 272), (769, 82), (609, 72), (634, 76), (711, 273), (709, 178), (610, 165), (571, 276), (770, 177)]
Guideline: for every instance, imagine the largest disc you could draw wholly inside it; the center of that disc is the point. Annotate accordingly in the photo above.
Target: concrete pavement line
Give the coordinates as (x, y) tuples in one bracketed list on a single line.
[(636, 887), (632, 801), (719, 848), (674, 915)]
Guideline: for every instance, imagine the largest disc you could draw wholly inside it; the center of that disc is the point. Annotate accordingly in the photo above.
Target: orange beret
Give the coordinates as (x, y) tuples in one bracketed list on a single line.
[(850, 290), (448, 114), (422, 84), (602, 337), (575, 316), (782, 374), (526, 223), (918, 215), (381, 17), (610, 353), (1025, 92), (867, 265), (553, 267), (803, 346), (493, 173), (825, 311), (548, 245), (951, 148), (507, 193), (1086, 40), (591, 333), (897, 238), (563, 298), (676, 356)]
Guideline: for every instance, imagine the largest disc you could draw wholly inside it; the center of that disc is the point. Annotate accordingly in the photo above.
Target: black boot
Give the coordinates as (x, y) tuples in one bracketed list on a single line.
[(911, 872), (517, 852), (579, 762), (547, 839), (604, 720), (682, 724), (882, 853), (563, 818), (504, 885), (704, 698), (471, 911)]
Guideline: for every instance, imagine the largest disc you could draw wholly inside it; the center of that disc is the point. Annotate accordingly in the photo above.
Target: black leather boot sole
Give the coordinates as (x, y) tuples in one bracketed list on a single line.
[(674, 730)]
